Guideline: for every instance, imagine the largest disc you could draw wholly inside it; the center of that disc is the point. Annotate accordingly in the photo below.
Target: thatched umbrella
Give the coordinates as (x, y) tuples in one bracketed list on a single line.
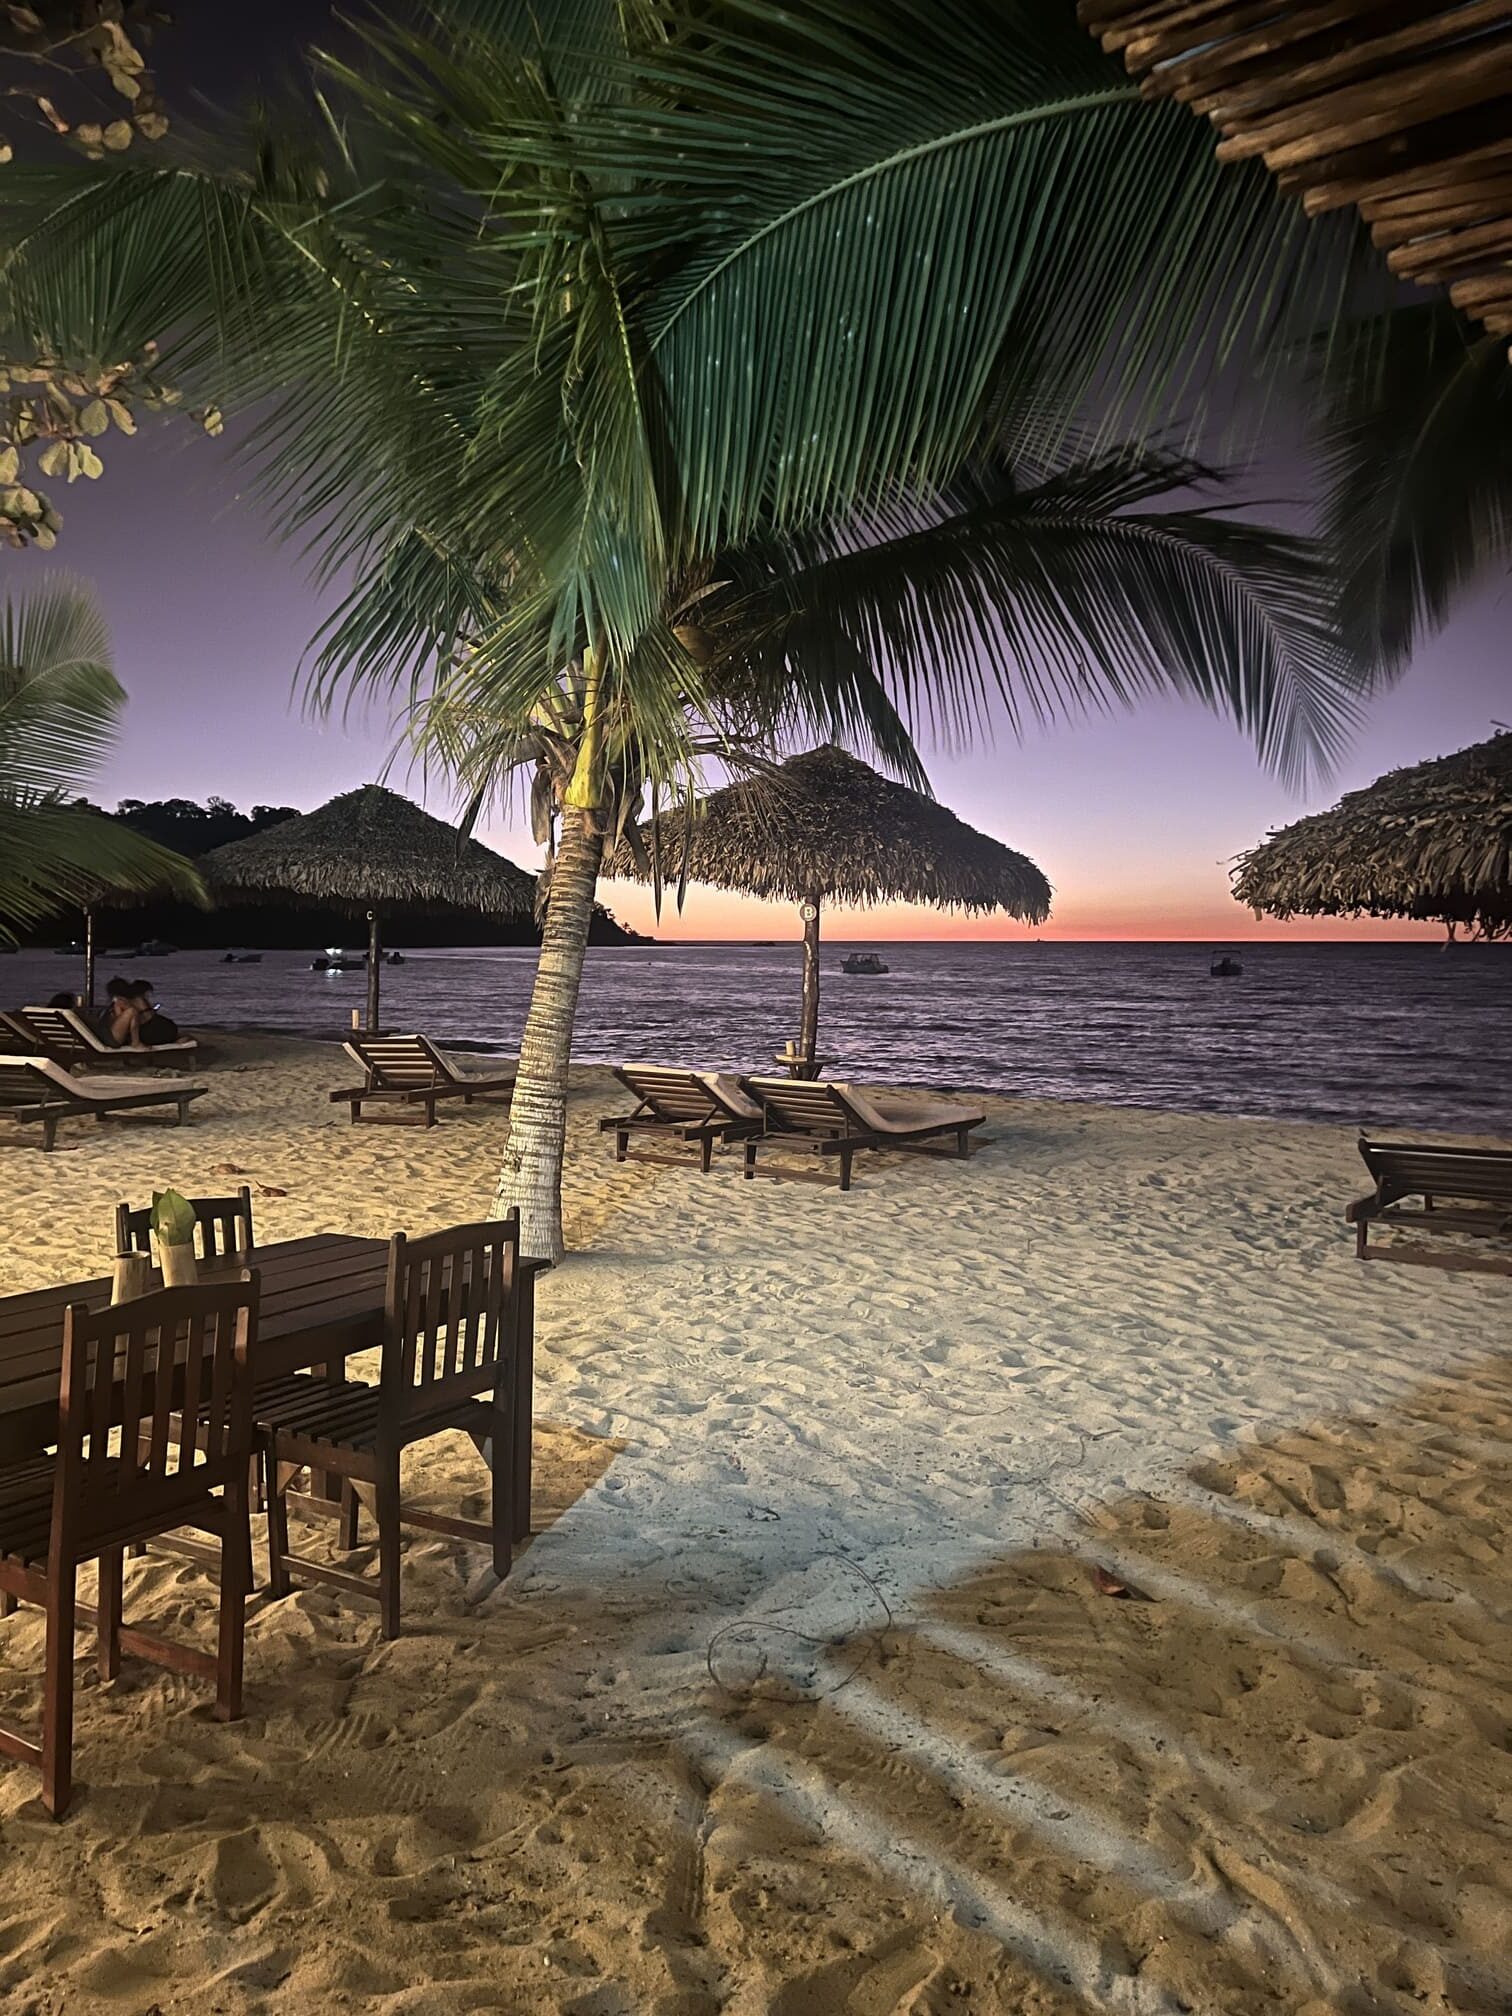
[(364, 850), (1433, 842), (827, 827)]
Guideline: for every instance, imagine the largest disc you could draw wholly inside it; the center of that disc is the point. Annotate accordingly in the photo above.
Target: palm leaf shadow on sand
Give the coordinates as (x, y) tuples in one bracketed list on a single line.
[(1283, 1782)]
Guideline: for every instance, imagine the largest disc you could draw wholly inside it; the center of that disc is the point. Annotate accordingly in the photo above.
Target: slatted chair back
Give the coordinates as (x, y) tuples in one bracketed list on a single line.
[(222, 1226), (1407, 1169), (17, 1034), (61, 1033), (22, 1084), (803, 1106), (133, 1368), (451, 1316), (400, 1062), (671, 1095)]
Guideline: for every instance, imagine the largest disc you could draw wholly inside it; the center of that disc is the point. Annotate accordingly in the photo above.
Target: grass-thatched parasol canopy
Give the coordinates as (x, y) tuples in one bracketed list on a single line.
[(1431, 842), (366, 850), (826, 826)]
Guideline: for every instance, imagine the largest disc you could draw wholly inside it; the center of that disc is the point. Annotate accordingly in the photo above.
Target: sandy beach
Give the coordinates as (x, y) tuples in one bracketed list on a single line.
[(809, 1695)]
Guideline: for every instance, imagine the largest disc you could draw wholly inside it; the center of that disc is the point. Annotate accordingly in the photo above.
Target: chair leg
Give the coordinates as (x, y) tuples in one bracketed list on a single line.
[(750, 1159), (278, 1527), (707, 1158), (387, 1509), (7, 1603), (235, 1587), (111, 1568), (57, 1694), (351, 1509), (501, 1497), (845, 1168)]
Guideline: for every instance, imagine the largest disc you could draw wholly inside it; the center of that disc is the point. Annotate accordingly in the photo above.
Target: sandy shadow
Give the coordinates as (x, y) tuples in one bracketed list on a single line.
[(1274, 1774)]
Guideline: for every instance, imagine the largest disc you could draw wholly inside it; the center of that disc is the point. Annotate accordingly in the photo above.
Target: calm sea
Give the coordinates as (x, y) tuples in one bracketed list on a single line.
[(1393, 1035)]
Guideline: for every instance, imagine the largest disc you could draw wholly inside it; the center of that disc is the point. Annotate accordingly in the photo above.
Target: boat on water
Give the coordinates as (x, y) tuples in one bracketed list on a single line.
[(1225, 967), (334, 960), (863, 962), (242, 959)]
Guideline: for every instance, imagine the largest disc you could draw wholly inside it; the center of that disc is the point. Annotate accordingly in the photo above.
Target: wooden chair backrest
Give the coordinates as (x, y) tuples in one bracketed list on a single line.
[(133, 1367), (60, 1031), (16, 1033), (1408, 1169), (222, 1226), (399, 1062), (451, 1315), (803, 1106), (22, 1084), (671, 1095)]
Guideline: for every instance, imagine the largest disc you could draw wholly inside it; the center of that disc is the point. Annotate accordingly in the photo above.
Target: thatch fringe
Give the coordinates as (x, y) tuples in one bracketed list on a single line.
[(1401, 111), (825, 825), (370, 848), (1432, 842)]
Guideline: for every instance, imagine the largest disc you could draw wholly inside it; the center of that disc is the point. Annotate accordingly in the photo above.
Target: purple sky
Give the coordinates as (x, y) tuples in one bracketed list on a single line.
[(1132, 817)]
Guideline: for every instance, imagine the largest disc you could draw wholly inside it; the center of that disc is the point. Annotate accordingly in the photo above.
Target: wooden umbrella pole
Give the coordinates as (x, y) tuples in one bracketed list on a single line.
[(89, 960), (808, 1035), (372, 973)]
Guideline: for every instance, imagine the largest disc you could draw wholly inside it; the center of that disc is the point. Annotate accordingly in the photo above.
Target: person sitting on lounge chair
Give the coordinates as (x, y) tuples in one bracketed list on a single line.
[(134, 1021)]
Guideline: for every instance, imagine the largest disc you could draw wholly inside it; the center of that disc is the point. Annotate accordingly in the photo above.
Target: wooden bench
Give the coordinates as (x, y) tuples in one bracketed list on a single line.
[(1477, 1180)]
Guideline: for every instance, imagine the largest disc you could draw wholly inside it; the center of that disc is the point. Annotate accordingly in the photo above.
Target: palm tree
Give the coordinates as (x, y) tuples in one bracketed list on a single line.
[(723, 377), (59, 705)]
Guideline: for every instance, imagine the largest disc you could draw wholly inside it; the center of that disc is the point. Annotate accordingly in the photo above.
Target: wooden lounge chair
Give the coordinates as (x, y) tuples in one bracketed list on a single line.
[(829, 1119), (132, 1365), (35, 1088), (451, 1331), (1478, 1180), (410, 1071), (705, 1107), (64, 1035)]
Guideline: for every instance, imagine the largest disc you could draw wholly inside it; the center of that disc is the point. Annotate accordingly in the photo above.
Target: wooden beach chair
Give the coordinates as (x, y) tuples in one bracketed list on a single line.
[(451, 1332), (675, 1105), (37, 1089), (132, 1366), (64, 1035), (834, 1120), (409, 1071), (1477, 1180)]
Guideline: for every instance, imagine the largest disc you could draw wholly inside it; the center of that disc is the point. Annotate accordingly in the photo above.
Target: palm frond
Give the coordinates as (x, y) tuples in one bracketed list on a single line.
[(1418, 457), (1069, 595)]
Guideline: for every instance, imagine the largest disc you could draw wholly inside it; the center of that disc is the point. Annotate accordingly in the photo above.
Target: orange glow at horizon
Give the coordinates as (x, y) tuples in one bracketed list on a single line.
[(719, 914)]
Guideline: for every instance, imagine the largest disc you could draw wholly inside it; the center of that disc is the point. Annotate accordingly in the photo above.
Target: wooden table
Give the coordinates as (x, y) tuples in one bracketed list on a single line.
[(321, 1299)]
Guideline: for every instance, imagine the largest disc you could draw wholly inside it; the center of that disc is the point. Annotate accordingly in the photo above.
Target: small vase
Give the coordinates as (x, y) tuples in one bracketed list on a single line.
[(132, 1277), (179, 1266)]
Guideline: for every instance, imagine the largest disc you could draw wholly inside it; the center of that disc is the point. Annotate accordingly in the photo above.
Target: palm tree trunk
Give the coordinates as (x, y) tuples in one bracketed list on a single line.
[(532, 1173)]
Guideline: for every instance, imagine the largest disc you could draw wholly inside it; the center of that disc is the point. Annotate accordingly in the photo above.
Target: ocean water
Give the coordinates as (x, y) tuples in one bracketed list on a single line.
[(1385, 1035)]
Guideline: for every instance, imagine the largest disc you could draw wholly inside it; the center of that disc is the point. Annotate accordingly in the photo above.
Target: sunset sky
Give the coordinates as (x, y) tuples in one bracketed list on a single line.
[(1133, 817)]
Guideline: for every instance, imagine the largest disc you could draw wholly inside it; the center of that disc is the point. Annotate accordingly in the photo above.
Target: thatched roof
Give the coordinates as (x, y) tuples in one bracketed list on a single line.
[(826, 825), (369, 848), (1433, 842), (1401, 111)]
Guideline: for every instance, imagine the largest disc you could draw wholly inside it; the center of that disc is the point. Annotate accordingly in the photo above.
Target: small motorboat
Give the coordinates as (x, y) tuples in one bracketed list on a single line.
[(393, 959), (334, 960), (242, 959), (1225, 967), (155, 948), (863, 962), (74, 951)]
